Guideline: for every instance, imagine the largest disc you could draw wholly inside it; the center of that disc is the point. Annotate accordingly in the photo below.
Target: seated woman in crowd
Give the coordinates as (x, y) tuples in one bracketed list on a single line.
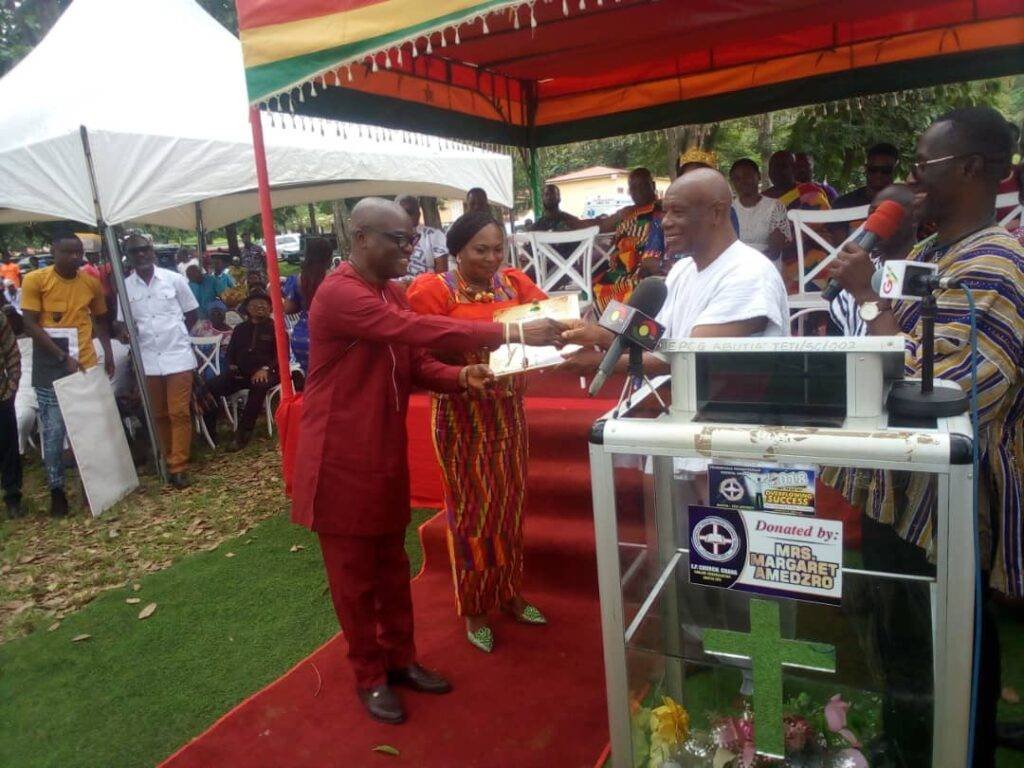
[(481, 440), (299, 291), (762, 220), (251, 364)]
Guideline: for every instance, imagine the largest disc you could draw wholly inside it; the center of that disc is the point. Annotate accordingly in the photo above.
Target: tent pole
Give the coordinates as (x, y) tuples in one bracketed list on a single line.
[(200, 234), (535, 192), (267, 215), (126, 313)]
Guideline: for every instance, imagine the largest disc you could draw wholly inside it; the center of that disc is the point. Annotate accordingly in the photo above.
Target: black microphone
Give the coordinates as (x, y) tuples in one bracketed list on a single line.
[(880, 225), (646, 302)]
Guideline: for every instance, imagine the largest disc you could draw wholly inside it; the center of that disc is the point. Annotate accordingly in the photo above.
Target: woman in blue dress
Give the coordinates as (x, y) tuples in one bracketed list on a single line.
[(299, 291)]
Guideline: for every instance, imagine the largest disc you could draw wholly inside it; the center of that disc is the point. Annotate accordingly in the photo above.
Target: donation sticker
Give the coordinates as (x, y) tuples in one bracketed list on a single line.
[(773, 488), (767, 554)]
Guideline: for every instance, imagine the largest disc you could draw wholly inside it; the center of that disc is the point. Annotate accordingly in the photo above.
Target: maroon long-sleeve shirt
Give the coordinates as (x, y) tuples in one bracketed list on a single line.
[(367, 351)]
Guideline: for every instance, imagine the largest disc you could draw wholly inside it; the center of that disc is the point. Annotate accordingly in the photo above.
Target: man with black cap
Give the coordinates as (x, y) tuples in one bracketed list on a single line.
[(252, 365), (164, 309)]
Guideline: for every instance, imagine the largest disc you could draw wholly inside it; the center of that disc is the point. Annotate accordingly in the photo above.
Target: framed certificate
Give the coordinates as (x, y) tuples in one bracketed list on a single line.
[(517, 358)]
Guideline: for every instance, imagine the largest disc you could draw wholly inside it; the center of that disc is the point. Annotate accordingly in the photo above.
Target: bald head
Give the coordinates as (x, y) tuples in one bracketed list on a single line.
[(697, 214), (382, 239)]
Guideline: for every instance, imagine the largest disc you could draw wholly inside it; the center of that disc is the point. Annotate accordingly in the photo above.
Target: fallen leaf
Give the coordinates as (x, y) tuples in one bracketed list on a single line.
[(112, 533), (386, 749), (26, 559), (80, 638), (133, 600), (1010, 695), (5, 569), (53, 627), (136, 587), (146, 612), (296, 548), (229, 554)]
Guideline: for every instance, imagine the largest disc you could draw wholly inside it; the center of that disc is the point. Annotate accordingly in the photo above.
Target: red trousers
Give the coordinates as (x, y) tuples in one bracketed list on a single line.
[(369, 581)]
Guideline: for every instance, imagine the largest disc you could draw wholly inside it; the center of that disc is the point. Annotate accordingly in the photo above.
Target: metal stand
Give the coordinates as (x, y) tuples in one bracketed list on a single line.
[(927, 402), (200, 234), (126, 312), (635, 380)]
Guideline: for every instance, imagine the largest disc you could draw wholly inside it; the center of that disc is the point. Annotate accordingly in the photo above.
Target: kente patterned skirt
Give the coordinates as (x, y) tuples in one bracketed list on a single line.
[(482, 446)]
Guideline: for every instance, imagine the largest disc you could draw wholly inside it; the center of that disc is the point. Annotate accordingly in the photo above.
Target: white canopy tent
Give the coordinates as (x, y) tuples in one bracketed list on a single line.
[(158, 86)]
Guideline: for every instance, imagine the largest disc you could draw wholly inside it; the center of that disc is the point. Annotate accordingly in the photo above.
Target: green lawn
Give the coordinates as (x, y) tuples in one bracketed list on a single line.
[(137, 689)]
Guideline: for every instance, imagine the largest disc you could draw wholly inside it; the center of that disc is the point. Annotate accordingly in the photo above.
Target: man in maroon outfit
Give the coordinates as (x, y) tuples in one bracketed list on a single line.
[(351, 482)]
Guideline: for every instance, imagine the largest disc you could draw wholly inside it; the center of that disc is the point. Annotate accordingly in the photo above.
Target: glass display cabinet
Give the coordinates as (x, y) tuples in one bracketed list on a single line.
[(786, 570)]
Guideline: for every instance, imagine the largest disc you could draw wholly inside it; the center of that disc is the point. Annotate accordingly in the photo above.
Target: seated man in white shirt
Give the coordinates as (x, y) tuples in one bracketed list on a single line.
[(164, 308)]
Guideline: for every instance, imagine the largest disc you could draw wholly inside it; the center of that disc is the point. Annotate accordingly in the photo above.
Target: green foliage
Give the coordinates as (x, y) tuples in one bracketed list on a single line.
[(838, 134)]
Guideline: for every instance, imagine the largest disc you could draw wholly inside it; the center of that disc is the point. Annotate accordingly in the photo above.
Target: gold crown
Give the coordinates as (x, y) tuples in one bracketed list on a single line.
[(698, 155)]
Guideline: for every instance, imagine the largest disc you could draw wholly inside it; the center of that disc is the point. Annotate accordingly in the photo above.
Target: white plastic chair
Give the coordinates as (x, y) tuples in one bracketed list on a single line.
[(604, 245), (803, 221), (552, 266), (522, 255), (207, 352), (1010, 200)]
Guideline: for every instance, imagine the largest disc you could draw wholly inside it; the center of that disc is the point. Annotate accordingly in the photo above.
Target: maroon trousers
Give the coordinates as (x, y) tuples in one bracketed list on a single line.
[(369, 581)]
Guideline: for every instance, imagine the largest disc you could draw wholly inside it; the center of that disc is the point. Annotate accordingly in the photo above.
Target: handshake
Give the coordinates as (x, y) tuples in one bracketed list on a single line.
[(546, 332)]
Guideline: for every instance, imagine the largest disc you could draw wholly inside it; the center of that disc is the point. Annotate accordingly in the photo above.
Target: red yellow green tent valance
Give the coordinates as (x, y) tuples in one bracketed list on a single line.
[(550, 71)]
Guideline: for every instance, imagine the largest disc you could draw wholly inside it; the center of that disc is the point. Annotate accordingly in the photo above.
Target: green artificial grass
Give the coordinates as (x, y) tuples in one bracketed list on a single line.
[(136, 690)]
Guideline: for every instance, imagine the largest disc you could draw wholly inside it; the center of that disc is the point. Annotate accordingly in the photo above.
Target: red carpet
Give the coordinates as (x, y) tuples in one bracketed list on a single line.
[(537, 701)]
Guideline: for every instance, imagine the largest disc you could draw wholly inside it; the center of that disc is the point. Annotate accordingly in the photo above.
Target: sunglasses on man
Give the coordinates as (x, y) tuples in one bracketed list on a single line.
[(401, 239)]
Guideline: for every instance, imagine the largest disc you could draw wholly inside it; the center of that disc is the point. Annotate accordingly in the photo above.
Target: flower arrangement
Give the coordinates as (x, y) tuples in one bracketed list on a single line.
[(815, 736), (659, 733)]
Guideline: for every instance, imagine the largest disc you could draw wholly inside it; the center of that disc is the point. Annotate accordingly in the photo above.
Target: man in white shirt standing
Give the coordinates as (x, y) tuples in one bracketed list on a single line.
[(164, 308), (430, 253)]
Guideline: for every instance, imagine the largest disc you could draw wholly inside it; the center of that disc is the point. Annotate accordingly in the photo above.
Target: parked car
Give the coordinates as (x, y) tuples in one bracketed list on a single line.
[(166, 255), (289, 244), (25, 265)]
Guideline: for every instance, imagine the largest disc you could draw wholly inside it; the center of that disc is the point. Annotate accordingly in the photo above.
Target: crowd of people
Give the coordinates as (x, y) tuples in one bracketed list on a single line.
[(360, 335)]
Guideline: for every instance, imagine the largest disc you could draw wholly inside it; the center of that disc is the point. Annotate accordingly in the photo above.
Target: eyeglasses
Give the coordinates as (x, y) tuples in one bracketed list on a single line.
[(919, 165), (888, 170), (401, 239)]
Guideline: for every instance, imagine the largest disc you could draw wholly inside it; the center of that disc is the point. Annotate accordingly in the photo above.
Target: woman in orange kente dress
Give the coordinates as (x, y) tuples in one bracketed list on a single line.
[(481, 440)]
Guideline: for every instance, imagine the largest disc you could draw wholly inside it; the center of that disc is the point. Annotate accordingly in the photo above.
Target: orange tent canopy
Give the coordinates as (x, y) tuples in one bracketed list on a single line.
[(554, 71)]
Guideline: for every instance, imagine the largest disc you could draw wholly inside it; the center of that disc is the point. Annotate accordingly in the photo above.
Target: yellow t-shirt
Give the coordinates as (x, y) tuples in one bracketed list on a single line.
[(65, 303)]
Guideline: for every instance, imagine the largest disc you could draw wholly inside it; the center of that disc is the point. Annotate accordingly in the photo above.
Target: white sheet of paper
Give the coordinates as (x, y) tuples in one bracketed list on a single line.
[(97, 437)]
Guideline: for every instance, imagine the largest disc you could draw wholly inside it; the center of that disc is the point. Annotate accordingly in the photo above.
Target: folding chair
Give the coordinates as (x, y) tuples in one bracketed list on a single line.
[(553, 266)]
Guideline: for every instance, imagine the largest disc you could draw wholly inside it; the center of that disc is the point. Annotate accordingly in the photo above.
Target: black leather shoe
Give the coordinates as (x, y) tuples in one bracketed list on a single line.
[(419, 679), (179, 480), (58, 503), (383, 704)]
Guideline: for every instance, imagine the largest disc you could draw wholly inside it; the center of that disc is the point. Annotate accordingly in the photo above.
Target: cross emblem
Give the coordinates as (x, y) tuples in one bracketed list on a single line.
[(717, 540), (769, 653)]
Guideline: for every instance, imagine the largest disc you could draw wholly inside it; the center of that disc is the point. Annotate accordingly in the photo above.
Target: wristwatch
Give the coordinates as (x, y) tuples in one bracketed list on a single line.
[(869, 310)]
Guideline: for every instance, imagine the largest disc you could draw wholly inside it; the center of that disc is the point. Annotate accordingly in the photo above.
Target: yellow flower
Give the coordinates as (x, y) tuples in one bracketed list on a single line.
[(670, 723)]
